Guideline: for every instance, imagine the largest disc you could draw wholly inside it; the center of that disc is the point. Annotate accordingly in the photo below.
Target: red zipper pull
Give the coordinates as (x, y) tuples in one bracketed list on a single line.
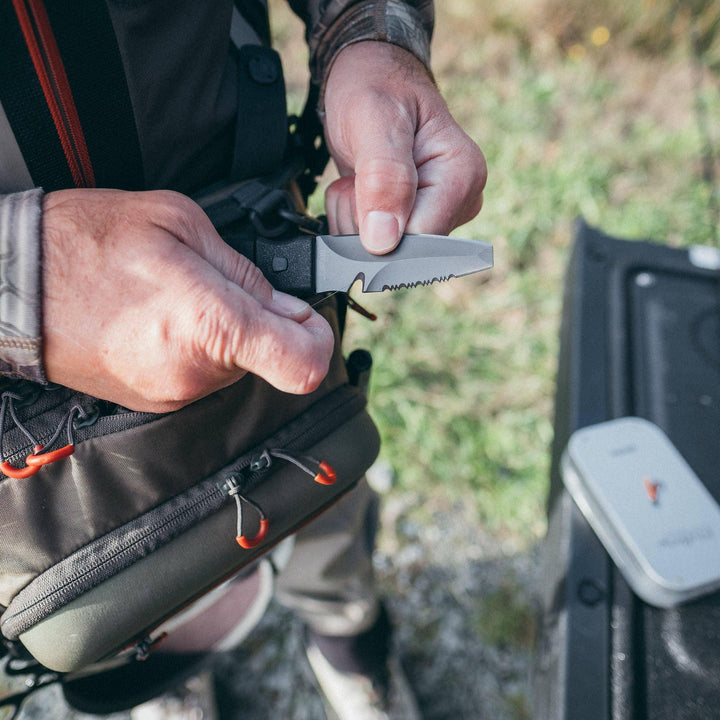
[(36, 460), (326, 476), (233, 489), (323, 472), (19, 473)]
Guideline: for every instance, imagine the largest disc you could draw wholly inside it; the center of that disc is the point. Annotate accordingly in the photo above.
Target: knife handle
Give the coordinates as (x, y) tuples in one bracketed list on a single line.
[(288, 264)]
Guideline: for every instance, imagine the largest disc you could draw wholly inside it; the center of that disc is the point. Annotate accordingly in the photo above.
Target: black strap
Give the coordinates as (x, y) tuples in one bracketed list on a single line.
[(256, 15), (27, 112), (86, 38), (91, 59), (261, 127), (262, 140), (308, 138)]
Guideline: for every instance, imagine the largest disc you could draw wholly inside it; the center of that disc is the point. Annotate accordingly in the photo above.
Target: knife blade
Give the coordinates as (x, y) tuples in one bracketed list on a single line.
[(302, 263), (308, 264), (417, 260)]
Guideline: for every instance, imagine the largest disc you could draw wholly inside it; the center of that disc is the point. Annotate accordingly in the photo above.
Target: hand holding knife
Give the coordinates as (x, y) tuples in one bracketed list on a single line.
[(305, 264)]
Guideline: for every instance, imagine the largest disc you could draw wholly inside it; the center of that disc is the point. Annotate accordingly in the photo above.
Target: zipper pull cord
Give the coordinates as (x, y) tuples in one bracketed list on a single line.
[(233, 489), (324, 473), (36, 459), (8, 403)]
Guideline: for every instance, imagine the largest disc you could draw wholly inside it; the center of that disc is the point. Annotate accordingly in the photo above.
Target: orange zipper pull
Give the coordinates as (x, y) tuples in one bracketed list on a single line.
[(233, 489), (323, 474)]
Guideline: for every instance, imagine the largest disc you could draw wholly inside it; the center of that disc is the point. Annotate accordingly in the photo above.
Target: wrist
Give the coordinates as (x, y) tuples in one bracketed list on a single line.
[(387, 21), (375, 72), (21, 304)]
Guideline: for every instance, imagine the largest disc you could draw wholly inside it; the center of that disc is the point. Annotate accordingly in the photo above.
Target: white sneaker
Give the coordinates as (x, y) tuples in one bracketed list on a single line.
[(353, 696)]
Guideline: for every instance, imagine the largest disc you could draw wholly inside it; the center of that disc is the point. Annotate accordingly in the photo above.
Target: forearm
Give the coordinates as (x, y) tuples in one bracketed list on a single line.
[(20, 286), (332, 26)]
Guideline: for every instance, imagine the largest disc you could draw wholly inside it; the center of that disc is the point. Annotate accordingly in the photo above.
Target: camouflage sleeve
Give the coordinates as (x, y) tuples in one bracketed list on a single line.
[(334, 24), (20, 286)]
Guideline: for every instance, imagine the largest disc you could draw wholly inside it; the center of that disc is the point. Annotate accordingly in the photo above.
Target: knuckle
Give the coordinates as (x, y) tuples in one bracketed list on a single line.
[(480, 165), (386, 177), (313, 378), (296, 364), (303, 376), (311, 369), (171, 202), (470, 179), (209, 333), (249, 277), (173, 211)]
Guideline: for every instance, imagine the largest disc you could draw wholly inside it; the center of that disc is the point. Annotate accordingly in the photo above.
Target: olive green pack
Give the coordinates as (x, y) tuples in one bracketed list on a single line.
[(111, 521)]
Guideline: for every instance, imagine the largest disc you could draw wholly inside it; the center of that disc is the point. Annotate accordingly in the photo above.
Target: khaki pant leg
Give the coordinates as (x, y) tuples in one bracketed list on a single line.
[(329, 579)]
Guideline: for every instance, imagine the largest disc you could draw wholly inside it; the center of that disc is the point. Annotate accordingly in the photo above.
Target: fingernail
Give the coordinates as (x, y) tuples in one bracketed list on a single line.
[(381, 231), (289, 304)]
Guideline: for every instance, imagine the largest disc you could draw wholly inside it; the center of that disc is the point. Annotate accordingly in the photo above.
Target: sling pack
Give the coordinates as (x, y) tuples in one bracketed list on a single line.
[(111, 521)]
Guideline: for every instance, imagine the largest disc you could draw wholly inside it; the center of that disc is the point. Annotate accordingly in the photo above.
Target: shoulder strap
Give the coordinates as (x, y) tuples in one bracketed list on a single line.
[(261, 126), (58, 131), (263, 140), (53, 58)]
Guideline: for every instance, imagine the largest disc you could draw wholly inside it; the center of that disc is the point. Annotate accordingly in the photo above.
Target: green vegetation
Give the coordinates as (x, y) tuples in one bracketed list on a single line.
[(504, 619), (606, 110)]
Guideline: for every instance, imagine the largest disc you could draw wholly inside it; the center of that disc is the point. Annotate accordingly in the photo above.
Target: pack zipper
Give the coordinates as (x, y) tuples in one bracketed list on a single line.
[(120, 548), (80, 415), (74, 421), (322, 473)]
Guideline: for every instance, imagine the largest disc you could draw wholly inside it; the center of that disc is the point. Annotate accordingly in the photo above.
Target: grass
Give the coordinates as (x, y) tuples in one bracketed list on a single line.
[(605, 110), (504, 619)]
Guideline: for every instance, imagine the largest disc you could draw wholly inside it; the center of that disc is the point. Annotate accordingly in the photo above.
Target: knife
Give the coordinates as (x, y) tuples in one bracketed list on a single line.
[(304, 264), (308, 264)]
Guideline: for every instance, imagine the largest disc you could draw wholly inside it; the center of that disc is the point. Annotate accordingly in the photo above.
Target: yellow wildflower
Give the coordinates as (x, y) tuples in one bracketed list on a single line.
[(600, 35)]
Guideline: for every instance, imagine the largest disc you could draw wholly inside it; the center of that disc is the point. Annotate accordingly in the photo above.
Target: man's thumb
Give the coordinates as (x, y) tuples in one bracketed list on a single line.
[(385, 188)]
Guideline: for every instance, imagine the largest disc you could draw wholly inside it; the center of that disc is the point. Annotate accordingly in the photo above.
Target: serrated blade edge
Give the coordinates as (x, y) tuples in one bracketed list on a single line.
[(418, 260)]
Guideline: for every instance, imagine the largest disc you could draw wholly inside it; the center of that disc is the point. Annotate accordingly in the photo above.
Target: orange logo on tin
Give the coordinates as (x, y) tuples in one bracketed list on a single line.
[(651, 487)]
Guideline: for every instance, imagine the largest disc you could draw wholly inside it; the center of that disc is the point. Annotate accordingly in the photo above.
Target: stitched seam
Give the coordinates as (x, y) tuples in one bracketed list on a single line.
[(21, 343)]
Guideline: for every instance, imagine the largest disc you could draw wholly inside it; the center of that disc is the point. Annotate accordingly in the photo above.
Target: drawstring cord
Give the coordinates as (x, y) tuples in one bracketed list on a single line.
[(41, 454), (233, 488), (322, 474)]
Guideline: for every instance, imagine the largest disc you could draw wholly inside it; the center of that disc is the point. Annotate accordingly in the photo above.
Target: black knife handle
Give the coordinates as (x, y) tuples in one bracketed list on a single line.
[(288, 264)]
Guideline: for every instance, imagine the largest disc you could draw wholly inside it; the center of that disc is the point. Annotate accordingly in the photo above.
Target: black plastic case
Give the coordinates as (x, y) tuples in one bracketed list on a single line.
[(640, 336)]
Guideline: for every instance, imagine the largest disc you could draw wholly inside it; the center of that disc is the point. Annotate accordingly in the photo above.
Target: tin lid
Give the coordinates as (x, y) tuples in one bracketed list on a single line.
[(651, 511)]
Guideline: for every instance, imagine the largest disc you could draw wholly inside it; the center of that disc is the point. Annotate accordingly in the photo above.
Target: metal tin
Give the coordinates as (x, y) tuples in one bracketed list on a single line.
[(652, 513)]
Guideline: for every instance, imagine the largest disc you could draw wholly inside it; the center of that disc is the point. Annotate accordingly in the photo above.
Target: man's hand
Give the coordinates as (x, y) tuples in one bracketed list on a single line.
[(405, 164), (146, 306)]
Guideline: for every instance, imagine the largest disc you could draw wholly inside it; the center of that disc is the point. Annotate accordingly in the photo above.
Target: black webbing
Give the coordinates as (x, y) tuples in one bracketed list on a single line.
[(255, 14), (91, 58), (27, 112), (262, 126), (84, 33)]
